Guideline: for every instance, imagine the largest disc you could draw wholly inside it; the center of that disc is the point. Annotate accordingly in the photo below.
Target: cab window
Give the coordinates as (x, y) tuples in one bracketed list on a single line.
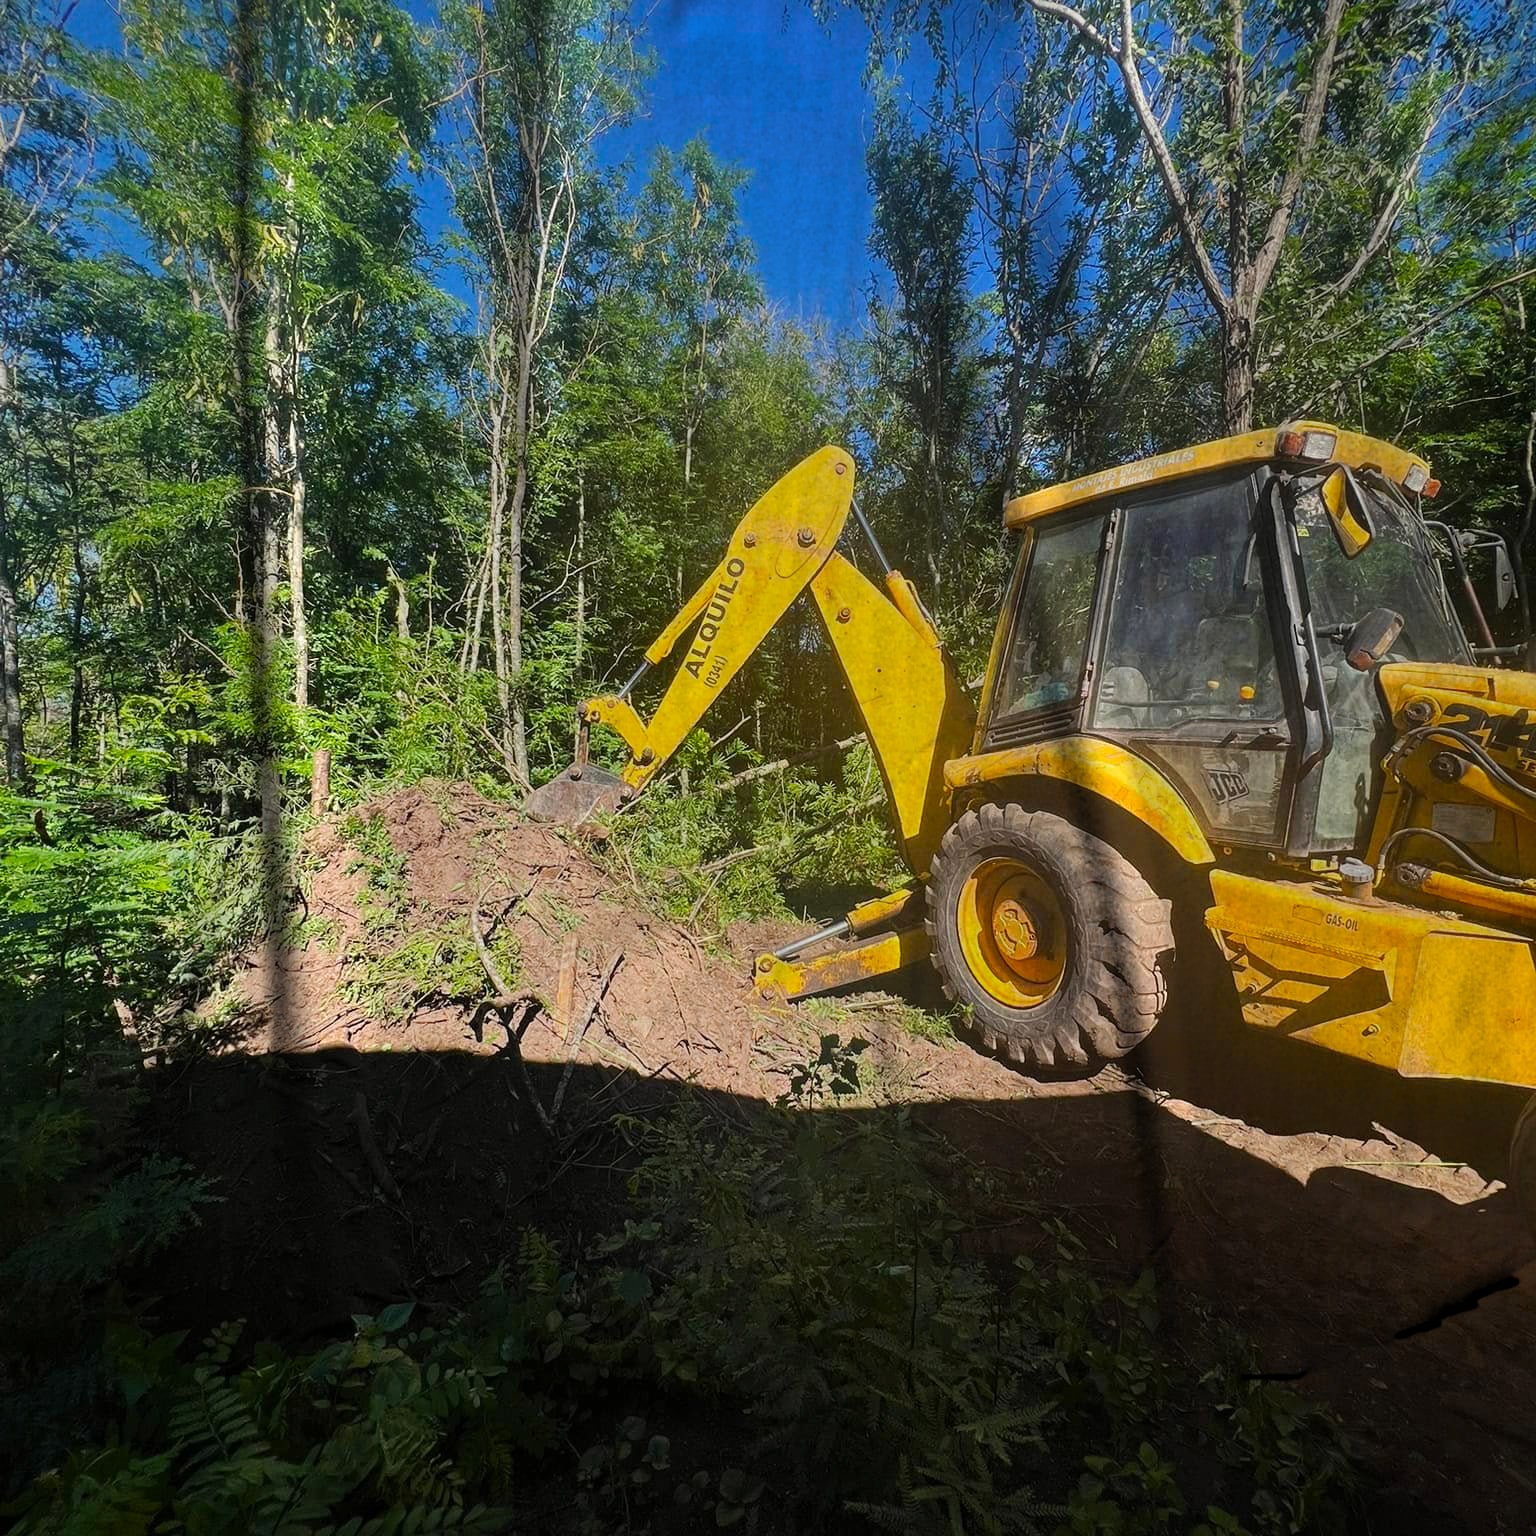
[(1188, 638), (1044, 666)]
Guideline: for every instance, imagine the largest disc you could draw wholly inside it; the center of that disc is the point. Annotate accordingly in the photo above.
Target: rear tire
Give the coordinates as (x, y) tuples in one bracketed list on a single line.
[(1522, 1163), (1049, 937)]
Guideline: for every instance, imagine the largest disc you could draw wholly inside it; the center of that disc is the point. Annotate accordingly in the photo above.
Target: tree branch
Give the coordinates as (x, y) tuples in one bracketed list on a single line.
[(1124, 56), (1417, 333), (1268, 257)]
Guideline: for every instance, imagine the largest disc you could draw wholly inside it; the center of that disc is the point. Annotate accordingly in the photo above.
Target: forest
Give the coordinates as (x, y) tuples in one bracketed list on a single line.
[(361, 410)]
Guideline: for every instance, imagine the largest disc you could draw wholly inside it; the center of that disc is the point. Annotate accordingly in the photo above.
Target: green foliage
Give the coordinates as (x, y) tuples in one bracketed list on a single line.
[(137, 1214), (403, 708), (832, 1073), (382, 899), (118, 914), (799, 1286), (390, 983), (688, 848), (1288, 1448), (285, 1445)]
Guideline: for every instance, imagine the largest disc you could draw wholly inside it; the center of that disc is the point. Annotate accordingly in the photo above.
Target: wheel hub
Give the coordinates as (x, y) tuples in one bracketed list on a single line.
[(1012, 932), (1013, 926)]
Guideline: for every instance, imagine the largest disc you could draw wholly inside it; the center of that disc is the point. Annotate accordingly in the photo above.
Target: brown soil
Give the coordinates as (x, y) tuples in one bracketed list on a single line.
[(1350, 1223)]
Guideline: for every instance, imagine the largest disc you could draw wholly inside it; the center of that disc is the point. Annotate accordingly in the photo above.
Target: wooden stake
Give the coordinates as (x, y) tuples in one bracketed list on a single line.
[(320, 781)]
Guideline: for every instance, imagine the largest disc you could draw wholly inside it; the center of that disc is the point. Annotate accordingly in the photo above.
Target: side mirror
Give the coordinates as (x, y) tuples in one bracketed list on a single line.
[(1348, 510), (1371, 638), (1503, 576), (1505, 587)]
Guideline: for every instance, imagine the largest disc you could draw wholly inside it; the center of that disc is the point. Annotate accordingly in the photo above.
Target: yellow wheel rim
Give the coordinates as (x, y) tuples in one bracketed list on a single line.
[(1012, 932)]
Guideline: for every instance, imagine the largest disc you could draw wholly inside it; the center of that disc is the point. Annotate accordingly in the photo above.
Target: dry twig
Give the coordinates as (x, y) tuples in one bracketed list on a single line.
[(592, 1011), (376, 1164)]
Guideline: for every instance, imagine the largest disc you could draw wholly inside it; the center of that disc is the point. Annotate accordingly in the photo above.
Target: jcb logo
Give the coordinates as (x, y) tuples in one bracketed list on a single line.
[(1226, 785)]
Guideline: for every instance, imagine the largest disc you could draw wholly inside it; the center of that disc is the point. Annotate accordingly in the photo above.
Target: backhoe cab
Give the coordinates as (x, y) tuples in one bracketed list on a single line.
[(1229, 677)]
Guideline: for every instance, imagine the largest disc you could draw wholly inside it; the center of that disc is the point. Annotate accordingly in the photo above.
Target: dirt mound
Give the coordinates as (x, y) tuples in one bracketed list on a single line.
[(381, 957), (370, 1134)]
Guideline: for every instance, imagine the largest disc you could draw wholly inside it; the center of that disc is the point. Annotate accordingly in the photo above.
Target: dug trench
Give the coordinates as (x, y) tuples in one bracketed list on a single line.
[(374, 1139)]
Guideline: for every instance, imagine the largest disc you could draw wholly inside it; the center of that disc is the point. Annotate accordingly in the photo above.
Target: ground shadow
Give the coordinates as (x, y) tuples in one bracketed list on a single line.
[(353, 1179)]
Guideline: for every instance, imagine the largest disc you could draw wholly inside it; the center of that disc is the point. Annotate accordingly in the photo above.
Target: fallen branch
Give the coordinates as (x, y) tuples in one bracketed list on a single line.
[(763, 770), (505, 1002), (375, 1159), (343, 1174), (581, 1034)]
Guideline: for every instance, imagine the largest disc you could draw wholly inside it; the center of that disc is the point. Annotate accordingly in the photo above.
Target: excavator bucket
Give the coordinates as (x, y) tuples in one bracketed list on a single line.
[(578, 798)]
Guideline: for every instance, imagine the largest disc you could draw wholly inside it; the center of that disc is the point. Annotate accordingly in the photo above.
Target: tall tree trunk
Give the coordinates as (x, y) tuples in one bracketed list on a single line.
[(268, 576), (10, 667), (296, 504), (495, 538), (514, 615), (934, 532), (1237, 372), (76, 645), (581, 574), (1237, 318), (10, 629), (522, 432)]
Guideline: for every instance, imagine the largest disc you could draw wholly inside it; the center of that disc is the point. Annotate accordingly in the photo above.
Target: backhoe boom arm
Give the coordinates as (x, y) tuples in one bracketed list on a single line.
[(912, 707)]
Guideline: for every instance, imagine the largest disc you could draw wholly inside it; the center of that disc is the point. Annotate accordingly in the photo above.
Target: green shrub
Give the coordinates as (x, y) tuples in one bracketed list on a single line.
[(784, 1334), (715, 855)]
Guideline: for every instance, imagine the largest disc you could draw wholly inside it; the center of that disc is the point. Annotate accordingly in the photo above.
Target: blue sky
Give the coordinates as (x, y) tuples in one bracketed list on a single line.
[(771, 91)]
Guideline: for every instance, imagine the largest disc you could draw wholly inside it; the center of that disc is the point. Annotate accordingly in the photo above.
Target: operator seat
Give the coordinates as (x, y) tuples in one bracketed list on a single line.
[(1226, 652), (1123, 700)]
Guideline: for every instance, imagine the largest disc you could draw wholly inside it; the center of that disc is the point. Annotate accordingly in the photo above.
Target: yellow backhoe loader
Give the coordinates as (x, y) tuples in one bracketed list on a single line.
[(1227, 684)]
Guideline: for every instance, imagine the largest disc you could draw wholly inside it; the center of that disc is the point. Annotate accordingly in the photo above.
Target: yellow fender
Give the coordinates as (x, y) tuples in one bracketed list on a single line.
[(1102, 768)]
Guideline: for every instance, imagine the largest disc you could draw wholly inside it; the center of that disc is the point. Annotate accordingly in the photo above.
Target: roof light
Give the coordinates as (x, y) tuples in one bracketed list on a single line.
[(1416, 478), (1317, 446)]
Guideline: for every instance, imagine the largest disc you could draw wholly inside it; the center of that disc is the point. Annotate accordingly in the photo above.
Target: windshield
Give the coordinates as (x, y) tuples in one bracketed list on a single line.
[(1396, 570)]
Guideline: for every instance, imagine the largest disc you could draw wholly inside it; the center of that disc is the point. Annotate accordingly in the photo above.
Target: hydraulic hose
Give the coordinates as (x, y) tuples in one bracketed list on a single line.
[(1460, 854), (1473, 749)]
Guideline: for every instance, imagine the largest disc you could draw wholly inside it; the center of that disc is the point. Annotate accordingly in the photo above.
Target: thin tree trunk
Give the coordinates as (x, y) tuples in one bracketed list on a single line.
[(402, 605), (1238, 319), (76, 644), (935, 529), (10, 628), (1523, 532), (515, 616), (581, 573), (10, 667), (469, 655), (522, 422), (296, 506), (495, 533), (268, 576)]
